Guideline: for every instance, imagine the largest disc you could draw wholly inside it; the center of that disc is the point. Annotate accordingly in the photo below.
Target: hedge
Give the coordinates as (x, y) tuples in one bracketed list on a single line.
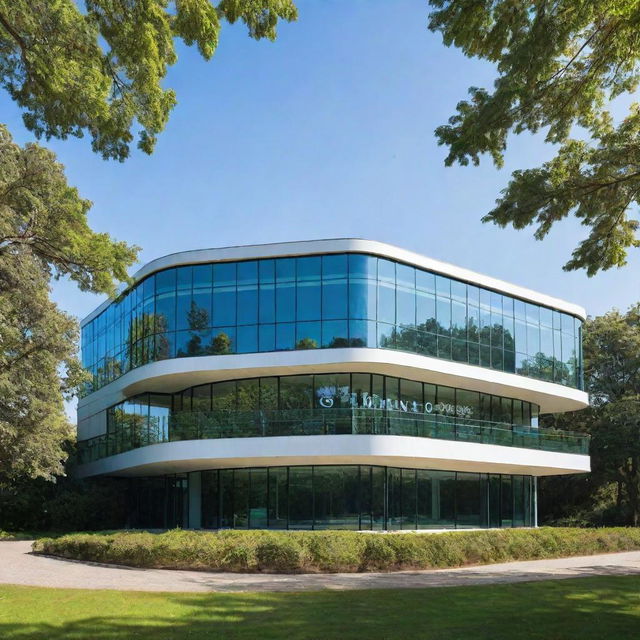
[(332, 551)]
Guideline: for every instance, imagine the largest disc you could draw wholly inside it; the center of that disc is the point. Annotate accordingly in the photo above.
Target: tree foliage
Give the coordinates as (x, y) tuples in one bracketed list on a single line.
[(559, 65), (43, 233), (100, 70), (612, 377)]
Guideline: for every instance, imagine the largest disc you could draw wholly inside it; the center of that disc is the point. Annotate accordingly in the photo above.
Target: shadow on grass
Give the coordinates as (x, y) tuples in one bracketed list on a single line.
[(584, 609)]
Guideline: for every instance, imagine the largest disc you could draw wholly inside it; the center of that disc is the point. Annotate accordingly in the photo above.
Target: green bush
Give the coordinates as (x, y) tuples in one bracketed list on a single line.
[(332, 551)]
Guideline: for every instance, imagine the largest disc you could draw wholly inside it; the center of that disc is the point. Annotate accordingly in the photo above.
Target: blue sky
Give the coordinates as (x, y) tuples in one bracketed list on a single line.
[(328, 132)]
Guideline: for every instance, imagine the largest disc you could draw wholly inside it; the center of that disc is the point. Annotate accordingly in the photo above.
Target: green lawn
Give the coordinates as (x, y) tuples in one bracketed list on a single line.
[(582, 609)]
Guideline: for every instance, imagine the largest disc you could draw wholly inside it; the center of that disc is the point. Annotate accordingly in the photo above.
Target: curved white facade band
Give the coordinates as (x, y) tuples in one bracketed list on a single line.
[(334, 383)]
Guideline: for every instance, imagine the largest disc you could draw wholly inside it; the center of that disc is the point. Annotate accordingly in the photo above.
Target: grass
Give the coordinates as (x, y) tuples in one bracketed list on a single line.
[(331, 551), (587, 608)]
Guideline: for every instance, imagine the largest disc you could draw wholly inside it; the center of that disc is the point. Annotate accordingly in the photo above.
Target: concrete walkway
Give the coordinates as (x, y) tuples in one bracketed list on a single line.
[(19, 566)]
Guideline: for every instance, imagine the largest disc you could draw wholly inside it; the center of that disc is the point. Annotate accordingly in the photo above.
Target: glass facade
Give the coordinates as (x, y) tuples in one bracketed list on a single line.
[(357, 497), (326, 391), (325, 404), (328, 301)]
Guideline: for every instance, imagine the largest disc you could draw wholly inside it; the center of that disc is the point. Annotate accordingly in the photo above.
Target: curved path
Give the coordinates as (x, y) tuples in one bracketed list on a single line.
[(19, 566)]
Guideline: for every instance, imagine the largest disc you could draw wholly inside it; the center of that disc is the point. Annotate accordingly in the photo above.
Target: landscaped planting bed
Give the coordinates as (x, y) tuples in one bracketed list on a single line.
[(333, 551)]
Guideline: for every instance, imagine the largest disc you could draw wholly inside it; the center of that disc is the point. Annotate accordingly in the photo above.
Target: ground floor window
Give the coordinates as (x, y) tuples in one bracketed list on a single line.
[(358, 497)]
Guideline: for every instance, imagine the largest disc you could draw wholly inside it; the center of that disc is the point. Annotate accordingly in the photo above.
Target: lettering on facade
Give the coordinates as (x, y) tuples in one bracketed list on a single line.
[(329, 397)]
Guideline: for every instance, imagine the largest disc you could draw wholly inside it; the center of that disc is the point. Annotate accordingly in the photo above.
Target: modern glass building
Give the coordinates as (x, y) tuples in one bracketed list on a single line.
[(328, 384)]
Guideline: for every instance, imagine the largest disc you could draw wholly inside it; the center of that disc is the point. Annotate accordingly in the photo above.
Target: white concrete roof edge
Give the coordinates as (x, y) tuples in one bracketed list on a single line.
[(343, 245)]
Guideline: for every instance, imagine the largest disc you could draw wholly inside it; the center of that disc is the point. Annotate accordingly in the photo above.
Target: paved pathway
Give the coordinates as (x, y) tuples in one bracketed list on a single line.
[(19, 566)]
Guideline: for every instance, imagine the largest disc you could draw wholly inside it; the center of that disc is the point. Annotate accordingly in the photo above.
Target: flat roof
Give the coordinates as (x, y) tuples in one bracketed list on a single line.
[(344, 245)]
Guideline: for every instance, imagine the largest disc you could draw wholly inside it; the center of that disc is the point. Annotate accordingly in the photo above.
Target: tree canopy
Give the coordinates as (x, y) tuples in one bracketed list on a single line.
[(100, 71), (612, 377), (559, 65), (43, 234)]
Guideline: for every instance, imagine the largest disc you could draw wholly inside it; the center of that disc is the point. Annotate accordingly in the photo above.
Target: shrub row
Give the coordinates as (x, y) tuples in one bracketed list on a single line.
[(333, 551)]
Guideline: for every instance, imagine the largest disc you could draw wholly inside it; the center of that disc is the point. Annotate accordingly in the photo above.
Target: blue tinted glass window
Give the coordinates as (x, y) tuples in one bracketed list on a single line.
[(308, 335), (165, 281), (247, 304), (224, 274), (533, 339), (567, 324), (521, 336), (546, 317), (285, 336), (309, 269), (362, 299), (247, 273), (223, 341), (443, 287), (386, 302), (425, 281), (507, 306), (361, 266), (362, 333), (285, 269), (184, 277), (406, 276), (247, 339), (473, 295), (285, 302), (533, 313), (308, 303), (496, 303), (426, 311), (183, 308), (335, 334), (267, 270), (386, 335), (379, 302), (202, 276), (201, 309), (443, 315), (148, 291), (334, 266), (406, 306), (459, 291), (267, 337), (386, 271), (459, 317), (224, 307), (334, 299), (267, 303)]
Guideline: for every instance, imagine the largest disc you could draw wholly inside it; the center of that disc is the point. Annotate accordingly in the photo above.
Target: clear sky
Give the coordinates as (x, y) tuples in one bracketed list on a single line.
[(328, 132)]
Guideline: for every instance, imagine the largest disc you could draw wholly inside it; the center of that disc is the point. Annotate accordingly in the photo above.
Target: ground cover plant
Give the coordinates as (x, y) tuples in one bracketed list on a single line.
[(332, 551), (587, 608)]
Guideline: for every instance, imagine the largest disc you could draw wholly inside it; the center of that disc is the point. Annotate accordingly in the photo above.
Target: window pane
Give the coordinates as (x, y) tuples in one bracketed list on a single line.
[(336, 497), (278, 503), (308, 335), (258, 499), (301, 497), (309, 300), (296, 392), (334, 299)]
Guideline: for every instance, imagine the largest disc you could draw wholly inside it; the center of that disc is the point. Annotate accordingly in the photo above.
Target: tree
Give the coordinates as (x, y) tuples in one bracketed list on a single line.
[(43, 234), (306, 343), (100, 70), (559, 64), (612, 377), (221, 344)]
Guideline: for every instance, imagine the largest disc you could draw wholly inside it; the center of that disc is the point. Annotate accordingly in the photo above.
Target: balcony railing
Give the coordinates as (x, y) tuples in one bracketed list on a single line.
[(205, 425)]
